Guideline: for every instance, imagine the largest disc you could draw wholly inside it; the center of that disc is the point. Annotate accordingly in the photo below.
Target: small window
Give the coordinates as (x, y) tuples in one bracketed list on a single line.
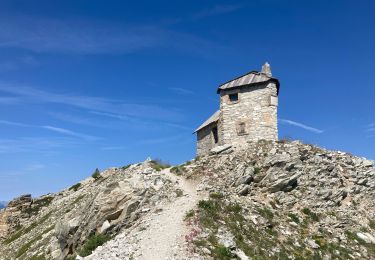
[(233, 97), (241, 128), (214, 133)]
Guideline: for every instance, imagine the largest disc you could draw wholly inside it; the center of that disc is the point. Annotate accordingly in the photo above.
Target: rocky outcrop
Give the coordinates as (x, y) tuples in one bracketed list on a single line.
[(56, 226), (285, 200), (270, 200)]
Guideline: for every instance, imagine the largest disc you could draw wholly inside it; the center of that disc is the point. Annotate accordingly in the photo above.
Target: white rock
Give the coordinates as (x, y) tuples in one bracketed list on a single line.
[(368, 238), (105, 226)]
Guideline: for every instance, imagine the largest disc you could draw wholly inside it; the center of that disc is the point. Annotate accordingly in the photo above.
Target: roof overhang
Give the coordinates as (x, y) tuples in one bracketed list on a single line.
[(252, 78)]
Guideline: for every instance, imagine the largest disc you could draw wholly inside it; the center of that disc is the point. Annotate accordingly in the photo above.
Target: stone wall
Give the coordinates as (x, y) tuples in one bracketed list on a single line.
[(205, 139), (255, 112)]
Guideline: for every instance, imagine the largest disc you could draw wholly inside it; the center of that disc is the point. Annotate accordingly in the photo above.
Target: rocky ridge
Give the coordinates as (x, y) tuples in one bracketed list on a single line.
[(270, 200), (284, 200), (62, 225)]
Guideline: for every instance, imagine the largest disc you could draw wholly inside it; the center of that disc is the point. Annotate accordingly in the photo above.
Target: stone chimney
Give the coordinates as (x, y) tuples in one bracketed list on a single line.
[(266, 69)]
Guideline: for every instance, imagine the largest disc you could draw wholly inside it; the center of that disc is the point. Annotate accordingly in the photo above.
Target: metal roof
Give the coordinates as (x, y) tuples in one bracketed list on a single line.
[(251, 78), (212, 119)]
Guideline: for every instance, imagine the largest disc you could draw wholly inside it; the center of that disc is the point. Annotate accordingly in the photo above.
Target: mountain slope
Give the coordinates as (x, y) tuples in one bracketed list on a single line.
[(272, 200)]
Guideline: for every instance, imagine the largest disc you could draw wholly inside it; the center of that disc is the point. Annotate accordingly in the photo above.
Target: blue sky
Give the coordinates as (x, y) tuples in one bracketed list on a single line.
[(86, 84)]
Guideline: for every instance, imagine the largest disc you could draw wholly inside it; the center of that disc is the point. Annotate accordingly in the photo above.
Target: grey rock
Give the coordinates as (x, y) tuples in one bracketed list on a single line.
[(285, 184), (244, 190), (277, 159), (311, 243), (367, 237), (247, 179), (220, 149)]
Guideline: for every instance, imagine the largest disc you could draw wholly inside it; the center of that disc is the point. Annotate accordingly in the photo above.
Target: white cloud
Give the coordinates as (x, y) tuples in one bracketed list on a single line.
[(70, 133), (103, 105), (35, 145), (80, 36), (52, 128), (303, 126), (182, 91)]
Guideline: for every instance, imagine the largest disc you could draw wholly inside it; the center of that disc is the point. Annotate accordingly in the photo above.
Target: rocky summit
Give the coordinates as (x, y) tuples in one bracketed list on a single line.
[(270, 200)]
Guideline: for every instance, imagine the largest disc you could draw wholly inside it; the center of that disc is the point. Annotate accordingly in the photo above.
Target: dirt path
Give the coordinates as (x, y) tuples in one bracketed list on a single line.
[(160, 235), (164, 238)]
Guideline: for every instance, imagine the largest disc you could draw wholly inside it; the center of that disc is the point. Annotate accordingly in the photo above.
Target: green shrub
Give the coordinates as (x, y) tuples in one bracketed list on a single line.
[(179, 193), (159, 165), (189, 214), (256, 170), (294, 218), (37, 205), (125, 167), (222, 253), (178, 170), (96, 175), (93, 242), (216, 195), (207, 205), (38, 257), (25, 247), (23, 231), (372, 224), (75, 187), (312, 215), (266, 213)]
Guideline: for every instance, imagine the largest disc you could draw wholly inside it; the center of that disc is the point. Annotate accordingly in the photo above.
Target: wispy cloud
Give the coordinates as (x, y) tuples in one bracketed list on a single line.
[(53, 129), (35, 145), (303, 126), (70, 133), (103, 105), (168, 139), (9, 100), (114, 148), (17, 62), (182, 91), (12, 123), (79, 36)]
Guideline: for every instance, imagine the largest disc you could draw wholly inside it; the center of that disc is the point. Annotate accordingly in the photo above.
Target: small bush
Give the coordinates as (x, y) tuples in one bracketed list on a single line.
[(372, 224), (37, 205), (216, 195), (159, 165), (179, 193), (233, 208), (256, 170), (75, 187), (125, 167), (178, 170), (311, 214), (207, 205), (189, 214), (92, 243), (222, 253), (96, 175), (38, 257), (294, 218), (25, 247), (266, 213)]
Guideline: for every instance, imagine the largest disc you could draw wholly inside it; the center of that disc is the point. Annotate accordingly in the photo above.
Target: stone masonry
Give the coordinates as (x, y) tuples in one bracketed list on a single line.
[(248, 112)]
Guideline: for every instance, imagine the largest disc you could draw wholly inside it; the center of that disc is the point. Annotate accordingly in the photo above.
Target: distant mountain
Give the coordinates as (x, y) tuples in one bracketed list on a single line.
[(3, 204)]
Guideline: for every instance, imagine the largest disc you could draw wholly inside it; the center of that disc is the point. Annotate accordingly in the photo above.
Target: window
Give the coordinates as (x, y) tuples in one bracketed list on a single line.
[(233, 97), (214, 133), (241, 128)]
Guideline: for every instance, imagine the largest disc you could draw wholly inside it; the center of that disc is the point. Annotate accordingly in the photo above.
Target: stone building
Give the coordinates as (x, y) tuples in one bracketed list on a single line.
[(248, 112)]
